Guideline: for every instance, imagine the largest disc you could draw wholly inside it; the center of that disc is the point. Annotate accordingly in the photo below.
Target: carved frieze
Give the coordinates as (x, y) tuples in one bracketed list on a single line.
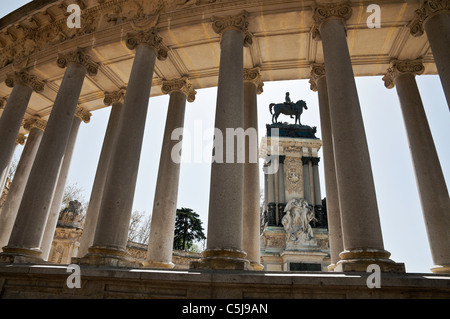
[(293, 175), (400, 67), (428, 9)]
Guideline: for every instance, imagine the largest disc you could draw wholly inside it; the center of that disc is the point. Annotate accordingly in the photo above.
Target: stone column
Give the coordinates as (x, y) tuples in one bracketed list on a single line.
[(431, 184), (23, 84), (160, 244), (26, 237), (281, 190), (55, 208), (115, 99), (319, 83), (363, 241), (271, 209), (10, 207), (316, 181), (307, 179), (433, 17), (224, 244), (251, 211), (110, 239)]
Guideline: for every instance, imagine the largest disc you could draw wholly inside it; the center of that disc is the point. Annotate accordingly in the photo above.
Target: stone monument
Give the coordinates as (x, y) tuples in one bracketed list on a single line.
[(294, 229)]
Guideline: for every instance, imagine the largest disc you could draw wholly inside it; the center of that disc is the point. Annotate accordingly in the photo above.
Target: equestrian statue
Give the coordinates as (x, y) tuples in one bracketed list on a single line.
[(287, 108)]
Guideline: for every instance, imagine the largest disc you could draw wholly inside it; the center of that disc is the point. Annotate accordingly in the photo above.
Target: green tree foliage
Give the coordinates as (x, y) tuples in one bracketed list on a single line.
[(188, 229)]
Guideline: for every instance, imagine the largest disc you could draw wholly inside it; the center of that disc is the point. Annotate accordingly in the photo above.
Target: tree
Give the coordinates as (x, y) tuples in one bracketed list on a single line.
[(73, 192), (188, 229), (139, 229)]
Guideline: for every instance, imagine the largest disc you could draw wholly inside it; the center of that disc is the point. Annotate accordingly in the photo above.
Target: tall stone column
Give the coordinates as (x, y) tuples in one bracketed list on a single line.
[(431, 184), (115, 100), (281, 190), (55, 208), (363, 241), (110, 239), (224, 244), (26, 236), (319, 83), (160, 244), (23, 84), (307, 179), (251, 211), (8, 212), (433, 17)]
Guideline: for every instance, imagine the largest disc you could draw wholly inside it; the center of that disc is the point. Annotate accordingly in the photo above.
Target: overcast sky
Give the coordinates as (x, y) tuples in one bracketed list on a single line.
[(398, 201)]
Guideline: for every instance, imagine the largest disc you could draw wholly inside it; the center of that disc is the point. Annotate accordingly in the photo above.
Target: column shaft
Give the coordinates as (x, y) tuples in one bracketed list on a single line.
[(224, 244), (363, 241), (10, 207), (431, 184), (160, 246), (438, 32), (331, 187), (98, 187), (307, 179), (110, 240), (55, 207), (10, 123), (25, 241), (251, 210)]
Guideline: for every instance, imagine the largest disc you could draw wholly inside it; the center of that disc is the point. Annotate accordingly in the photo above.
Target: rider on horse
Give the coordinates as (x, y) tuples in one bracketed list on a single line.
[(289, 102)]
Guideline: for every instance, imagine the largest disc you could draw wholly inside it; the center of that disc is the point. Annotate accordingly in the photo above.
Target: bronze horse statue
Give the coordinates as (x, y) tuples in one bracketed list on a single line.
[(296, 109)]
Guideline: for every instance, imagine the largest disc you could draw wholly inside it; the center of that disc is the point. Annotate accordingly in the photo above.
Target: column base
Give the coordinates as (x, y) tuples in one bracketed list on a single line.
[(16, 255), (358, 260), (221, 259), (107, 256), (440, 269), (158, 264), (255, 266)]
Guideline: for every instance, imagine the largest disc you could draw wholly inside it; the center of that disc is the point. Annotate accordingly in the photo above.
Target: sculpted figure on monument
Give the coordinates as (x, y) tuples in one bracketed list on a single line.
[(287, 108), (296, 224), (71, 216)]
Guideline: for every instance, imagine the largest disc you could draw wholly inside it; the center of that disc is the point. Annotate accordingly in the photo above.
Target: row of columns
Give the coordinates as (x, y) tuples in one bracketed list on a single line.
[(228, 247), (355, 233)]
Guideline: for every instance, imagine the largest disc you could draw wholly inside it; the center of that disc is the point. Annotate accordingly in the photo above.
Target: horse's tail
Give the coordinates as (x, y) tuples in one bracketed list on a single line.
[(270, 107)]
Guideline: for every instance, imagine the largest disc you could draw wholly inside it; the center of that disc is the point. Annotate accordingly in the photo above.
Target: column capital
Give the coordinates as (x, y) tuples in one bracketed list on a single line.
[(315, 160), (21, 138), (305, 160), (114, 97), (25, 78), (78, 56), (149, 38), (399, 67), (3, 102), (182, 85), (329, 11), (34, 122), (317, 72), (427, 9), (253, 75), (83, 114), (236, 22)]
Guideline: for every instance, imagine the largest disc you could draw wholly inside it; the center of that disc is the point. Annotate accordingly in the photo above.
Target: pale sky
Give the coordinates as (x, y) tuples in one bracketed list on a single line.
[(399, 206)]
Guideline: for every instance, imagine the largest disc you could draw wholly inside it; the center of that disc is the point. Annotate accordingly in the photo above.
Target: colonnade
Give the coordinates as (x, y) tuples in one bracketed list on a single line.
[(233, 223)]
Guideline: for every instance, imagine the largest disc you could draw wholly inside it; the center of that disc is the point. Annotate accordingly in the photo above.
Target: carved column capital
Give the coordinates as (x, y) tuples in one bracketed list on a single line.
[(34, 122), (182, 85), (306, 160), (401, 67), (253, 75), (149, 38), (317, 72), (233, 22), (427, 9), (78, 56), (83, 114), (114, 97), (329, 11), (24, 78), (21, 138), (315, 160)]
